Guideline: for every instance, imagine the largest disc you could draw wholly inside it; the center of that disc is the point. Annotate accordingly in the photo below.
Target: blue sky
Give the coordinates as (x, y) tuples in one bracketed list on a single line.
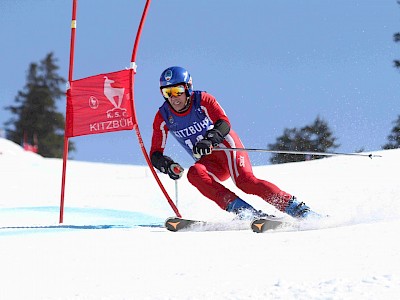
[(271, 64)]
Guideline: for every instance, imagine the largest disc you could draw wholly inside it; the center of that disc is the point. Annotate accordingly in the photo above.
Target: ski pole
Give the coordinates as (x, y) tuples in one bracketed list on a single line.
[(176, 193), (177, 170), (296, 152)]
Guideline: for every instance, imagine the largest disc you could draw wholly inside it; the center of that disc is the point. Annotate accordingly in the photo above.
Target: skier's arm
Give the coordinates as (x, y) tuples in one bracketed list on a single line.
[(217, 115), (221, 128), (160, 134), (162, 162), (212, 108)]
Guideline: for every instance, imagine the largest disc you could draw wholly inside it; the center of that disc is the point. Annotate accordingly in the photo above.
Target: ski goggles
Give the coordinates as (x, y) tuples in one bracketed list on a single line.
[(173, 91)]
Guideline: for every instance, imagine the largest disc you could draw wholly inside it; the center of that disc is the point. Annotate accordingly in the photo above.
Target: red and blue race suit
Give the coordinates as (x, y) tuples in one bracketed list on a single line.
[(209, 171)]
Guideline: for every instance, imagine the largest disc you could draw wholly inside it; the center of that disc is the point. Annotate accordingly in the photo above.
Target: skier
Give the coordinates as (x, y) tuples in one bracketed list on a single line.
[(199, 124)]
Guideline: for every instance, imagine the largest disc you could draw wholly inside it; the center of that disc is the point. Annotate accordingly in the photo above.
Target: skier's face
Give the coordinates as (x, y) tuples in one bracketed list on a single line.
[(178, 102)]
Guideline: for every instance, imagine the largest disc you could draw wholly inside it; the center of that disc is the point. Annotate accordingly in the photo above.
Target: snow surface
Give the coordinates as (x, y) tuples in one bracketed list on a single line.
[(101, 252)]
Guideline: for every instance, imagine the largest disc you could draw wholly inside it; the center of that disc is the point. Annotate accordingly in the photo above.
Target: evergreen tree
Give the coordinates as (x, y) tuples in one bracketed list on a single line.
[(394, 136), (35, 114), (316, 137)]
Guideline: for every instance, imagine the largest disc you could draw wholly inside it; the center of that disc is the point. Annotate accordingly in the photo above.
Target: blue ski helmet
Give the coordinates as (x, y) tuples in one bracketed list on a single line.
[(177, 75)]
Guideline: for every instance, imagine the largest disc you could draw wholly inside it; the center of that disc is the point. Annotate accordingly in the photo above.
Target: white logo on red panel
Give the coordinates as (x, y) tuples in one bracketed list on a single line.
[(116, 118), (115, 95)]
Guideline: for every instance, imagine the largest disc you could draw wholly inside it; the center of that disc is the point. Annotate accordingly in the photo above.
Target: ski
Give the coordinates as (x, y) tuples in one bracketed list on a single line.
[(179, 224), (263, 224)]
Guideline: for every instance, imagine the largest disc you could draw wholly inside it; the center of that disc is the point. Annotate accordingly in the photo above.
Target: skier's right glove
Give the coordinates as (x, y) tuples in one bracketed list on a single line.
[(166, 165), (175, 171)]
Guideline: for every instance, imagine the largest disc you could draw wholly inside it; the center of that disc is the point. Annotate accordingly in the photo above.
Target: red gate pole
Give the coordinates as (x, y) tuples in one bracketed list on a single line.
[(146, 156), (71, 69)]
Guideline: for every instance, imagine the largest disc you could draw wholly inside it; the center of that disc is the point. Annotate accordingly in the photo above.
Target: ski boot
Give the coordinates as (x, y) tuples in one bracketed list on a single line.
[(245, 211), (300, 210)]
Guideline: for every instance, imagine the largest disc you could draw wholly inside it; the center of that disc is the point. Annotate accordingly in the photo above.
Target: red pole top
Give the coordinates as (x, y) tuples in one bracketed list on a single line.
[(139, 33), (72, 44)]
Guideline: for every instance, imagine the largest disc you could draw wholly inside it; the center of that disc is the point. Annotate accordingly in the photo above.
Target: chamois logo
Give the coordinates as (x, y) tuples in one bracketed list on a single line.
[(115, 95)]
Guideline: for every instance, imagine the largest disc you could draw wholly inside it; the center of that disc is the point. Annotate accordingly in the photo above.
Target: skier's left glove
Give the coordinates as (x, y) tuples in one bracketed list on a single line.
[(204, 147)]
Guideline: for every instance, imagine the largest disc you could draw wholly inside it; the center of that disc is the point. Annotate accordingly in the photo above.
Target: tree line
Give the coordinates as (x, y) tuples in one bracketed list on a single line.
[(35, 116)]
